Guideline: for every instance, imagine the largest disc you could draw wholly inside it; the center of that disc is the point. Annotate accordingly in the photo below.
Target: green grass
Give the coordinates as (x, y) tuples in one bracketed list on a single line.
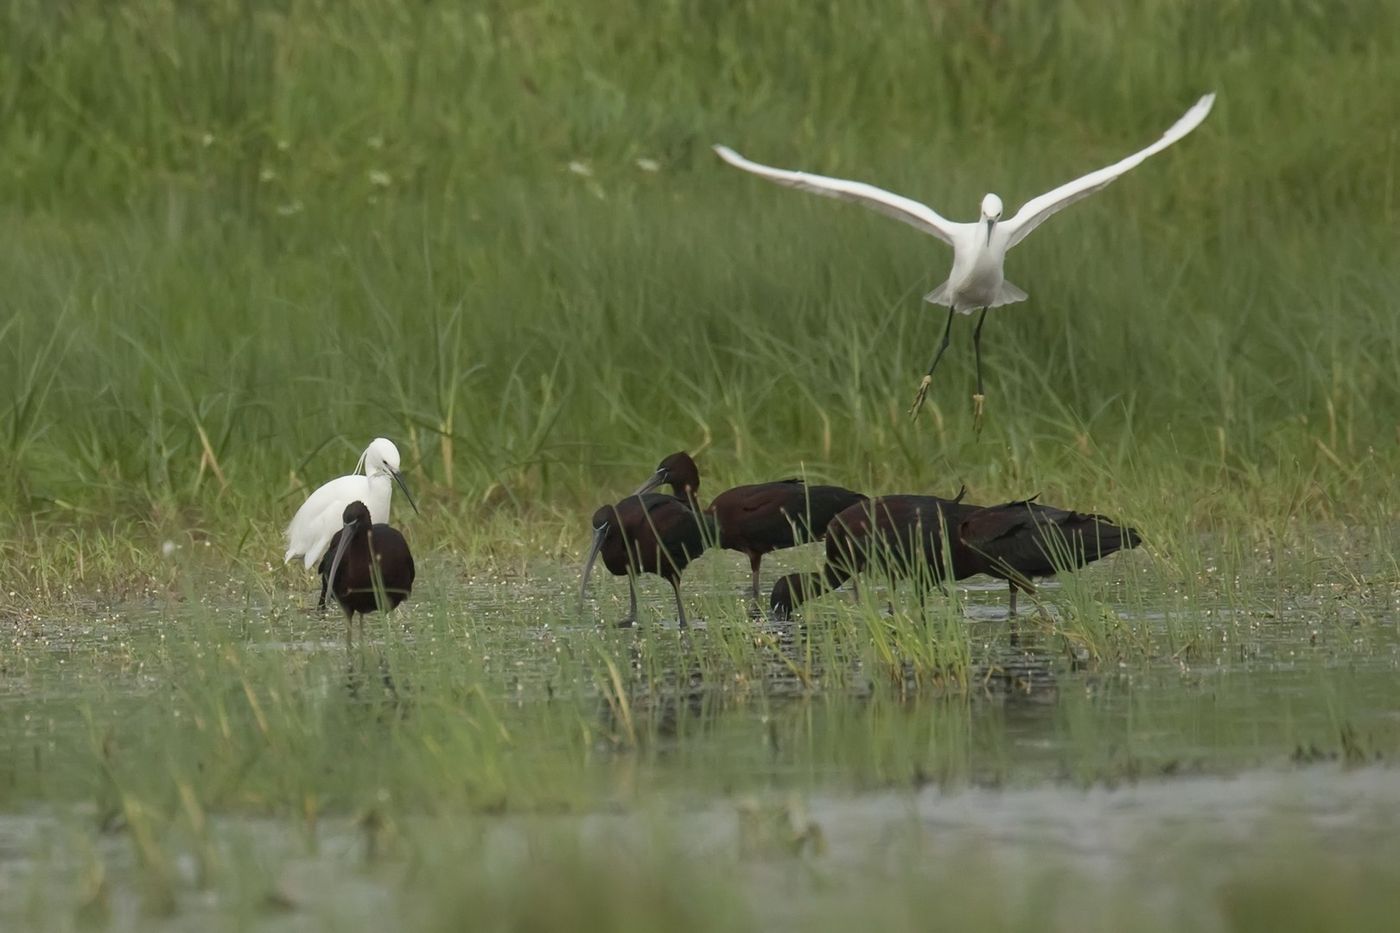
[(241, 239), (245, 238)]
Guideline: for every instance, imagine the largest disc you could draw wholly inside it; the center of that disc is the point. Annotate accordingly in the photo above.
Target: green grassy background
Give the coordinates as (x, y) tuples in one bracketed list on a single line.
[(239, 239)]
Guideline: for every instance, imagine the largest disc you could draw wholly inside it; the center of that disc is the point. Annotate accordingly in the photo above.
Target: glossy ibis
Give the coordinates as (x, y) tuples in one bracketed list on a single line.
[(1019, 541), (368, 566), (979, 249), (760, 518), (903, 534), (647, 533), (319, 518), (1014, 541)]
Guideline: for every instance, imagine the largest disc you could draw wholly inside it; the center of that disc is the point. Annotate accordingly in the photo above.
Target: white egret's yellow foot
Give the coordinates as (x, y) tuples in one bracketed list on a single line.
[(977, 401), (919, 396)]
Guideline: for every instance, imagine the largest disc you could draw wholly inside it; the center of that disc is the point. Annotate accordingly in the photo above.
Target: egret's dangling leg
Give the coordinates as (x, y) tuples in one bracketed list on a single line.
[(928, 377), (977, 352)]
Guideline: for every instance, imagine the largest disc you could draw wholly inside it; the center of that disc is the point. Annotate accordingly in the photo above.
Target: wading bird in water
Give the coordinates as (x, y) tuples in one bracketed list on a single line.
[(648, 532), (368, 566), (907, 535), (903, 534), (1020, 541), (976, 282), (760, 518), (319, 518)]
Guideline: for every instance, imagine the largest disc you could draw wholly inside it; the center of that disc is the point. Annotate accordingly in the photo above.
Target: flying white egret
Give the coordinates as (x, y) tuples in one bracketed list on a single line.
[(321, 515), (979, 249)]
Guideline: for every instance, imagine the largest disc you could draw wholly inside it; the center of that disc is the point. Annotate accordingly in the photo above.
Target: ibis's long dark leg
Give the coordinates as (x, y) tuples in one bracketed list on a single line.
[(754, 561), (632, 596), (1015, 630), (937, 356), (680, 609)]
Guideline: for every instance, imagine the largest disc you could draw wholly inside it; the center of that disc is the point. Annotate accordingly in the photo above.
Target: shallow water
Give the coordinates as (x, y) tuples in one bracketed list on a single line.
[(1122, 718)]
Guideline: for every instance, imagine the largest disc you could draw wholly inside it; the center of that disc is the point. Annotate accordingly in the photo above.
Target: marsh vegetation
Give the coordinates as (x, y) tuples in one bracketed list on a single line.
[(241, 239)]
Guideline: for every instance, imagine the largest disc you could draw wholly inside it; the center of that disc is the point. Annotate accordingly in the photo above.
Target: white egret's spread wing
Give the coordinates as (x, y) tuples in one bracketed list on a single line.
[(1036, 210), (908, 210)]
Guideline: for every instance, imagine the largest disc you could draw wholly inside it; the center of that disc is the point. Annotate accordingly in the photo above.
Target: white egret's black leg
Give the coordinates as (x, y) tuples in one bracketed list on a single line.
[(977, 348), (928, 377), (977, 352), (680, 608)]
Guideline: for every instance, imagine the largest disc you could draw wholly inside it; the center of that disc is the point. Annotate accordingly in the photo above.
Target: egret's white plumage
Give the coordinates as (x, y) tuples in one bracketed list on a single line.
[(979, 249), (320, 516)]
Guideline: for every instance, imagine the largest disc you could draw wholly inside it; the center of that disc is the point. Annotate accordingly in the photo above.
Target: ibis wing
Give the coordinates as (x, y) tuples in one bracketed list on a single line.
[(1016, 538), (911, 212), (760, 517), (823, 503), (1035, 211), (661, 503), (764, 497), (1039, 539), (985, 526)]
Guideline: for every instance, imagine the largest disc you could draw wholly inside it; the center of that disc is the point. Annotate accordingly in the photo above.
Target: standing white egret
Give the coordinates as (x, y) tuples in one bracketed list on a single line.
[(979, 249), (321, 515)]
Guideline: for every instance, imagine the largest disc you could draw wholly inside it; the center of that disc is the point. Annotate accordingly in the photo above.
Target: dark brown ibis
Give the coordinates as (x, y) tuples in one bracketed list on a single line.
[(647, 533), (1014, 541), (1019, 541), (367, 566), (904, 534), (759, 518)]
